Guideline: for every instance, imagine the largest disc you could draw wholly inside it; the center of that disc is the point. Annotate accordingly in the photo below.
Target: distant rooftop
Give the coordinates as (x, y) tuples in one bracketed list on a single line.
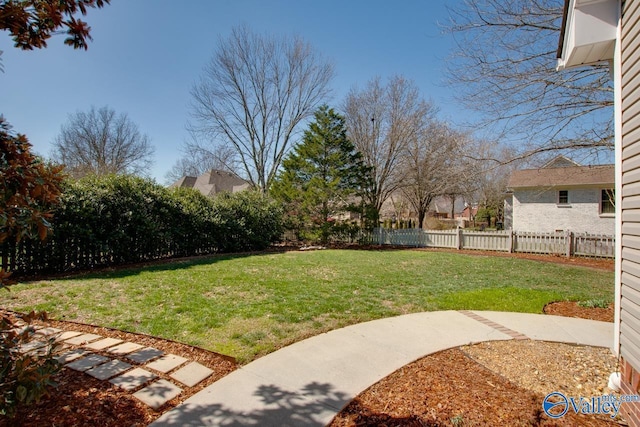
[(213, 182), (553, 174)]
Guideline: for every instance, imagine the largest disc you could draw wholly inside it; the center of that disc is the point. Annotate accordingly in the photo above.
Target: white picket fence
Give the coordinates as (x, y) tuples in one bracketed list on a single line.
[(567, 244)]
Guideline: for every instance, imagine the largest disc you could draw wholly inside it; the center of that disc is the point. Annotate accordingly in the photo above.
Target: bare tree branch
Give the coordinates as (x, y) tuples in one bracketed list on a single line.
[(504, 68), (382, 121), (253, 95), (432, 166), (101, 142), (201, 156)]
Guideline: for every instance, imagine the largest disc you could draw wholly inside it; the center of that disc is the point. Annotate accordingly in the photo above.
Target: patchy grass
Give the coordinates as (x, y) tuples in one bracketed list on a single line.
[(595, 303), (250, 305)]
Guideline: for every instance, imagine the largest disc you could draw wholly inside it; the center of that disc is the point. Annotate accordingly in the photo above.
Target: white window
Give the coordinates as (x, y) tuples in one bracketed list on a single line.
[(607, 201), (563, 197)]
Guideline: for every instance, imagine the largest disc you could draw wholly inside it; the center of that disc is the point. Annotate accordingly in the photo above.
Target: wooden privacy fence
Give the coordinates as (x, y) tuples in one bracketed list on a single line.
[(29, 257), (567, 243)]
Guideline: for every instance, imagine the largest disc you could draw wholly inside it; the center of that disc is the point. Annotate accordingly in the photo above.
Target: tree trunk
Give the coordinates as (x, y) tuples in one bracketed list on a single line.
[(421, 214)]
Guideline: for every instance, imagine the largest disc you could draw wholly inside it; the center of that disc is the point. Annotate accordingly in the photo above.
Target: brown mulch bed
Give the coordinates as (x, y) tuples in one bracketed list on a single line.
[(491, 383), (451, 388), (572, 309)]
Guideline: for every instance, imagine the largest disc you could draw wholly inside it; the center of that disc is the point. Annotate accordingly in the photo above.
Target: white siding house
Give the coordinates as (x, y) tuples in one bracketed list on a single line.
[(609, 30), (576, 198)]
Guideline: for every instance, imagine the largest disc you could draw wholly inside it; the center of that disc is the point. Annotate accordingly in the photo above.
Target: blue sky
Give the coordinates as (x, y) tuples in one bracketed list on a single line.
[(146, 55)]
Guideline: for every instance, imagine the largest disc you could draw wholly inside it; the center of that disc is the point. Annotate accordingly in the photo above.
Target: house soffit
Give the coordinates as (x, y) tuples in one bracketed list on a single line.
[(588, 33)]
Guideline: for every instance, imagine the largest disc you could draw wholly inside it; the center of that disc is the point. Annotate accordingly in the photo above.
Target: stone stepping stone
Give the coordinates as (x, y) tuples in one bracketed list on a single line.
[(191, 374), (83, 339), (145, 355), (87, 362), (102, 344), (47, 332), (66, 335), (125, 348), (109, 369), (167, 363), (133, 379), (72, 355), (31, 346), (158, 393)]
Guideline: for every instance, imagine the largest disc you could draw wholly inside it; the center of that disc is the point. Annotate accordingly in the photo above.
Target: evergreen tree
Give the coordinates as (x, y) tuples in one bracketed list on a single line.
[(322, 177)]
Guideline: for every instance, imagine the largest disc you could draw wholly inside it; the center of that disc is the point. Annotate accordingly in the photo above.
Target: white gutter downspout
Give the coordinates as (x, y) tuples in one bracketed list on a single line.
[(617, 90)]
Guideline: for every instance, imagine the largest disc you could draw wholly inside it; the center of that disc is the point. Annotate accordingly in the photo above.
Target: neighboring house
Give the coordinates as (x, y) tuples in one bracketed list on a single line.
[(213, 182), (609, 30), (558, 197), (398, 207), (441, 207), (469, 213)]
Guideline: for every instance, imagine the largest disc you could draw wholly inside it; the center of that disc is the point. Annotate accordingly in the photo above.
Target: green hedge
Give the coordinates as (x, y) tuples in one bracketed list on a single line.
[(122, 219)]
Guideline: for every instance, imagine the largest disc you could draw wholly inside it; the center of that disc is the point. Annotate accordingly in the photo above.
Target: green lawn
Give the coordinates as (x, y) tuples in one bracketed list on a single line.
[(249, 305)]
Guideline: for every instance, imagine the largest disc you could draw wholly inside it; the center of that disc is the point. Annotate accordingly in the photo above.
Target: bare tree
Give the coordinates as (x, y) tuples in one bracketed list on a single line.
[(504, 68), (492, 177), (489, 178), (432, 165), (199, 157), (102, 142), (254, 93), (382, 121)]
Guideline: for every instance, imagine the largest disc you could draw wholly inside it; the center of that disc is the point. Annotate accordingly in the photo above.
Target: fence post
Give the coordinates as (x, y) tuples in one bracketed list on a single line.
[(511, 242), (459, 236), (569, 237)]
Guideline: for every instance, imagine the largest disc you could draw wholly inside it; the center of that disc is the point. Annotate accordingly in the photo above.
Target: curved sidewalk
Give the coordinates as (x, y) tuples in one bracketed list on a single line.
[(309, 382)]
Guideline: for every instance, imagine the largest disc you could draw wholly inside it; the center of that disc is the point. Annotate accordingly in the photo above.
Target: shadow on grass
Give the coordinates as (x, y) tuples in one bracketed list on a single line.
[(127, 270)]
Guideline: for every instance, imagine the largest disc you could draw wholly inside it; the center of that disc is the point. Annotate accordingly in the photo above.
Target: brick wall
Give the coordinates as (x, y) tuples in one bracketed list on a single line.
[(630, 383), (538, 211)]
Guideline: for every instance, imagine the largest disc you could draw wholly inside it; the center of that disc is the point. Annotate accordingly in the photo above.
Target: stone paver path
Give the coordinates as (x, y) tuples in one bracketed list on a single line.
[(128, 365), (167, 363), (192, 374), (109, 369), (82, 339), (124, 348), (102, 344), (133, 379), (145, 355), (159, 392), (66, 335), (86, 363), (71, 355)]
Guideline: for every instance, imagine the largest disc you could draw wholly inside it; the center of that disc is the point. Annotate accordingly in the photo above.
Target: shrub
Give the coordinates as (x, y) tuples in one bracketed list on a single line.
[(485, 215), (28, 190), (247, 221), (113, 220), (25, 377), (345, 231), (194, 230)]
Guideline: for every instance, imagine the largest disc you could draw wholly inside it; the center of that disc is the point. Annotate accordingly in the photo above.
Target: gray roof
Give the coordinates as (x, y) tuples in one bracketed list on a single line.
[(185, 181), (579, 176), (213, 182)]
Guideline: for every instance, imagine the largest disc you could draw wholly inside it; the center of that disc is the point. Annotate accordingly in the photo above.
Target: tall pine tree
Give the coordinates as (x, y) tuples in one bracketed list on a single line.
[(322, 177)]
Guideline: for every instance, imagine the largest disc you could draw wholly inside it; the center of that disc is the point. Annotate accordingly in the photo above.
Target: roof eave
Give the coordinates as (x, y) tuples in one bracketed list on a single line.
[(588, 33)]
